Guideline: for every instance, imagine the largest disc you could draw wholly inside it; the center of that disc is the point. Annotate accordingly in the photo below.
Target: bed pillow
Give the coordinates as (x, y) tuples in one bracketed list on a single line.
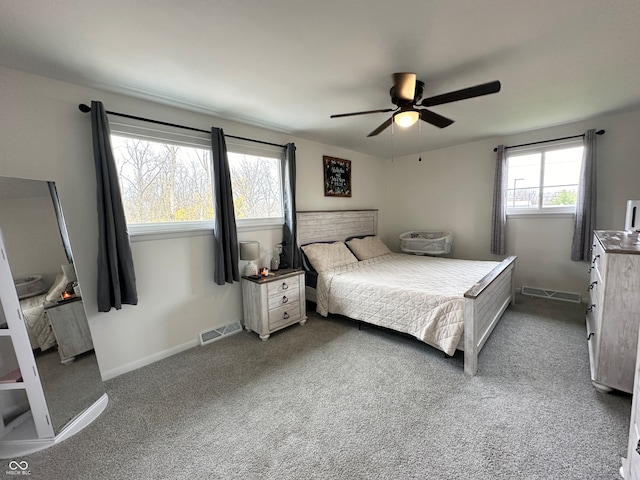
[(324, 256), (367, 247), (306, 263)]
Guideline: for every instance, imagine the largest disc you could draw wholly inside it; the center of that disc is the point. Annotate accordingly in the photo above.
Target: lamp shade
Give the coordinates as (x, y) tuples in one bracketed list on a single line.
[(249, 250), (406, 118)]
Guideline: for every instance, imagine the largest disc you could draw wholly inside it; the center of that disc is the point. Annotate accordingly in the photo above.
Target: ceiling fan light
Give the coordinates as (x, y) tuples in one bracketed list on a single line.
[(407, 118)]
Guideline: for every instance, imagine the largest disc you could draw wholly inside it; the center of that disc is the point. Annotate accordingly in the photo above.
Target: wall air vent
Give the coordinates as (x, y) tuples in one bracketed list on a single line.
[(552, 294), (219, 332)]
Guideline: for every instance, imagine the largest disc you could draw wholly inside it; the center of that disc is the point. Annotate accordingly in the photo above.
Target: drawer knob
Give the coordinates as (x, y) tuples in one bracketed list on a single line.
[(284, 299), (285, 286), (589, 336), (285, 316), (596, 258), (590, 308), (593, 284)]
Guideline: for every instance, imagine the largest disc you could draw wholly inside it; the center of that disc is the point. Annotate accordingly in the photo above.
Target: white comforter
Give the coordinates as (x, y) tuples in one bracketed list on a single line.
[(421, 296), (38, 327)]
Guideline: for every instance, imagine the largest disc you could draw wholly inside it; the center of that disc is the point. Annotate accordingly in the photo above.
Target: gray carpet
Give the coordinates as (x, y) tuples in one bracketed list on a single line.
[(328, 401)]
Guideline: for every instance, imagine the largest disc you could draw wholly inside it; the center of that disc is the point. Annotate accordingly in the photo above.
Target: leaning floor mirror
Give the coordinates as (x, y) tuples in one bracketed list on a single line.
[(50, 383)]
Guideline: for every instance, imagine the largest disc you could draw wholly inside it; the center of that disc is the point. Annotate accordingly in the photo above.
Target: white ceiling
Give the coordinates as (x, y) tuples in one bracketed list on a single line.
[(289, 64)]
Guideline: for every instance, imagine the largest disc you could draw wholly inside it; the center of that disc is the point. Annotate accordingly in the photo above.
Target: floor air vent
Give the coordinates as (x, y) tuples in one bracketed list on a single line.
[(217, 333), (553, 294)]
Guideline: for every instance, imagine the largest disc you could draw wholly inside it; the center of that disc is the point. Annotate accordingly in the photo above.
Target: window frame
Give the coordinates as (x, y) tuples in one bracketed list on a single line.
[(542, 211), (155, 231)]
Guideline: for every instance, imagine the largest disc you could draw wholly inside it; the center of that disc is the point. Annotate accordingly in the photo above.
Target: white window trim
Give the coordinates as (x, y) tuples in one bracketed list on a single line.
[(160, 231), (142, 232), (541, 214), (518, 212)]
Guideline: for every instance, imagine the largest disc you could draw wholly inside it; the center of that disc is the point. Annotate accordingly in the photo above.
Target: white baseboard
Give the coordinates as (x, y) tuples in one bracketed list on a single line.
[(142, 362)]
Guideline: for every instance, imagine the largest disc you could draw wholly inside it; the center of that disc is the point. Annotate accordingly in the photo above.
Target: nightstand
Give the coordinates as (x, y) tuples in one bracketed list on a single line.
[(70, 327), (274, 302)]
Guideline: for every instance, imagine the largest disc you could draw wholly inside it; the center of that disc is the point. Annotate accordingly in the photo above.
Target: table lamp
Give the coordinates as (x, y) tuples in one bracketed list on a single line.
[(250, 251)]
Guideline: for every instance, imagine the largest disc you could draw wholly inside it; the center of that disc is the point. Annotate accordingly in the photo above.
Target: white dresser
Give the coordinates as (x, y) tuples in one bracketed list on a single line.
[(613, 314), (274, 302), (631, 464)]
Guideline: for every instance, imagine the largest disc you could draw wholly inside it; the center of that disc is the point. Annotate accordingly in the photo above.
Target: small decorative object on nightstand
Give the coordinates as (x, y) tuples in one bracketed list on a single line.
[(274, 302)]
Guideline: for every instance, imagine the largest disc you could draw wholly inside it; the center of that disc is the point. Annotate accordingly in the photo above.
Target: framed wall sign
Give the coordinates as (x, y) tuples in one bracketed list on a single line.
[(337, 177)]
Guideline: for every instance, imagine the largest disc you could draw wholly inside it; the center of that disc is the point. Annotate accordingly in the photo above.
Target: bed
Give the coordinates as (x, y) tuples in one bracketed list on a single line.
[(39, 329), (450, 304)]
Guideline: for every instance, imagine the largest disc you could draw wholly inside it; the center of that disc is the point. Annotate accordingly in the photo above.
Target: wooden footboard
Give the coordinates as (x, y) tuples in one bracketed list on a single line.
[(485, 303)]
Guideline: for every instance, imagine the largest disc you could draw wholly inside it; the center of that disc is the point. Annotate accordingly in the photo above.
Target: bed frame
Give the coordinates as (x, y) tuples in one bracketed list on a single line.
[(485, 302)]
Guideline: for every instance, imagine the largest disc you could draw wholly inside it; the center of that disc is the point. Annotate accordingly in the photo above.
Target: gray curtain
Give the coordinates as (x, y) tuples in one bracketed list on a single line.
[(224, 231), (499, 216), (585, 221), (290, 252), (116, 275)]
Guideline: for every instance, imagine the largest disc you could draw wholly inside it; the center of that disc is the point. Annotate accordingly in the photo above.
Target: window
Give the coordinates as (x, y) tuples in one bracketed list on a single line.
[(166, 185), (544, 179)]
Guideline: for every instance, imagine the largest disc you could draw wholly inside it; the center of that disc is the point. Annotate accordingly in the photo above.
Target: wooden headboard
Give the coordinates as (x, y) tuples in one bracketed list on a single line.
[(335, 225)]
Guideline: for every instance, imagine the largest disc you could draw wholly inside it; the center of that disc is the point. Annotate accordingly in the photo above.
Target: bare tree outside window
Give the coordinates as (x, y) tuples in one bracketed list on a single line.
[(257, 192), (163, 182)]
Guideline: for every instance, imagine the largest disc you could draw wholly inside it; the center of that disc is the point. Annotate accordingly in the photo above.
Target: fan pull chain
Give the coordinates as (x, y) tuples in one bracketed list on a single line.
[(420, 135), (392, 130)]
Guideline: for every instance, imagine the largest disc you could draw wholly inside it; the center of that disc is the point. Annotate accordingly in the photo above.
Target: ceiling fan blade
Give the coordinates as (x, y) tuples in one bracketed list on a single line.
[(471, 92), (405, 85), (435, 119), (380, 128), (383, 110)]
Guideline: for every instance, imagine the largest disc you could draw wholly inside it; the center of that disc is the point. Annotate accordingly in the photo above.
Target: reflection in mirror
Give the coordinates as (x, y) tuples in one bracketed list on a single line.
[(41, 262)]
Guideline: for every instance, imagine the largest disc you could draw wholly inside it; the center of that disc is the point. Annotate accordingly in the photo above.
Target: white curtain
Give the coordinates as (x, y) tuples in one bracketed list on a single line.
[(585, 221), (499, 216)]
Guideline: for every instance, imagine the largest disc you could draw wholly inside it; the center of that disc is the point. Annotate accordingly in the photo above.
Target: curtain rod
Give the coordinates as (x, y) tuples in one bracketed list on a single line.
[(86, 109), (599, 132)]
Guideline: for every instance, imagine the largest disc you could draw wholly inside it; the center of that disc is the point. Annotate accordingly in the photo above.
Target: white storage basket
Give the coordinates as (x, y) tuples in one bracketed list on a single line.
[(429, 242)]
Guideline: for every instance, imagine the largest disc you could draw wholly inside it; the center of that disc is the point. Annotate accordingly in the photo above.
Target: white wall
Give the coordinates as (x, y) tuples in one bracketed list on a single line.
[(452, 189), (44, 136), (33, 241)]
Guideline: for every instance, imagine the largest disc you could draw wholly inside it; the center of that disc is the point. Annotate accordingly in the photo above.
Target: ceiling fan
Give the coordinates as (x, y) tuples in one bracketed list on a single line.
[(406, 94)]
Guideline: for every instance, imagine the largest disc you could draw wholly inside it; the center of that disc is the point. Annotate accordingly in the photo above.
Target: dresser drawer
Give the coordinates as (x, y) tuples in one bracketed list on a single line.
[(595, 290), (284, 315), (597, 256)]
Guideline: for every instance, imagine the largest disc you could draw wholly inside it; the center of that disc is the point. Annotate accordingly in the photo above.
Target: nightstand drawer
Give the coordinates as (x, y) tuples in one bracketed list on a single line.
[(283, 298), (284, 315), (286, 285)]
